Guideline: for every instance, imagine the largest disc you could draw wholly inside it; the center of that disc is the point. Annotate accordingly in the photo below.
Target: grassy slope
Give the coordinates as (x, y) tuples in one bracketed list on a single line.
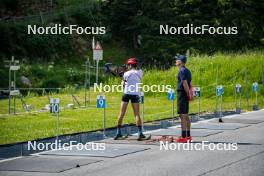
[(29, 126)]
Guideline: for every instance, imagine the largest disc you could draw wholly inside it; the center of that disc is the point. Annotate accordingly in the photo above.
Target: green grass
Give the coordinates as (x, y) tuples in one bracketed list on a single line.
[(30, 126), (232, 69)]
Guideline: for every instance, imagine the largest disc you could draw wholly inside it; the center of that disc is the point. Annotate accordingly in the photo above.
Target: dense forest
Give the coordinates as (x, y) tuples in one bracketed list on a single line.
[(133, 23), (132, 29)]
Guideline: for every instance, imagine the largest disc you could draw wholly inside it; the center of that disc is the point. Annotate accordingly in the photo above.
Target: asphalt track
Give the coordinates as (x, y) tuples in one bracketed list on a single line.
[(248, 159)]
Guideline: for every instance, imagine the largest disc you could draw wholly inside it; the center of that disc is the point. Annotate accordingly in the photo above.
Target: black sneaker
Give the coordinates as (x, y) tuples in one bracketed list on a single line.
[(118, 137), (141, 137)]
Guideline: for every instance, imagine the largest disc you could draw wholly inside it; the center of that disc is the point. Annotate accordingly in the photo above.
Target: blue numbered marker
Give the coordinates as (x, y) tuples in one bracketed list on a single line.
[(197, 91), (219, 90), (171, 95), (100, 101), (255, 87), (54, 105), (238, 88)]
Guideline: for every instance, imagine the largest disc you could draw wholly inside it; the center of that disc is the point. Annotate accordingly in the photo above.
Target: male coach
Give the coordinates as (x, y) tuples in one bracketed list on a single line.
[(184, 95)]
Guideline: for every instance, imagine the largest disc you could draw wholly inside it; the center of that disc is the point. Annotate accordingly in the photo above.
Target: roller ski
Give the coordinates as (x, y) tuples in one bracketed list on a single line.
[(143, 137), (120, 137)]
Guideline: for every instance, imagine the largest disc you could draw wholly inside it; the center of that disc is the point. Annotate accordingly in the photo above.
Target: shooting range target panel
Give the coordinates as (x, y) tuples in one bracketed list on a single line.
[(173, 131), (44, 164), (218, 126), (239, 120), (111, 151), (254, 115)]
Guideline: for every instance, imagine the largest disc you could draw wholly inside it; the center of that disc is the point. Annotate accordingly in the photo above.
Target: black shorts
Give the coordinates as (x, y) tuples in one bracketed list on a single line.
[(182, 102), (133, 98)]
